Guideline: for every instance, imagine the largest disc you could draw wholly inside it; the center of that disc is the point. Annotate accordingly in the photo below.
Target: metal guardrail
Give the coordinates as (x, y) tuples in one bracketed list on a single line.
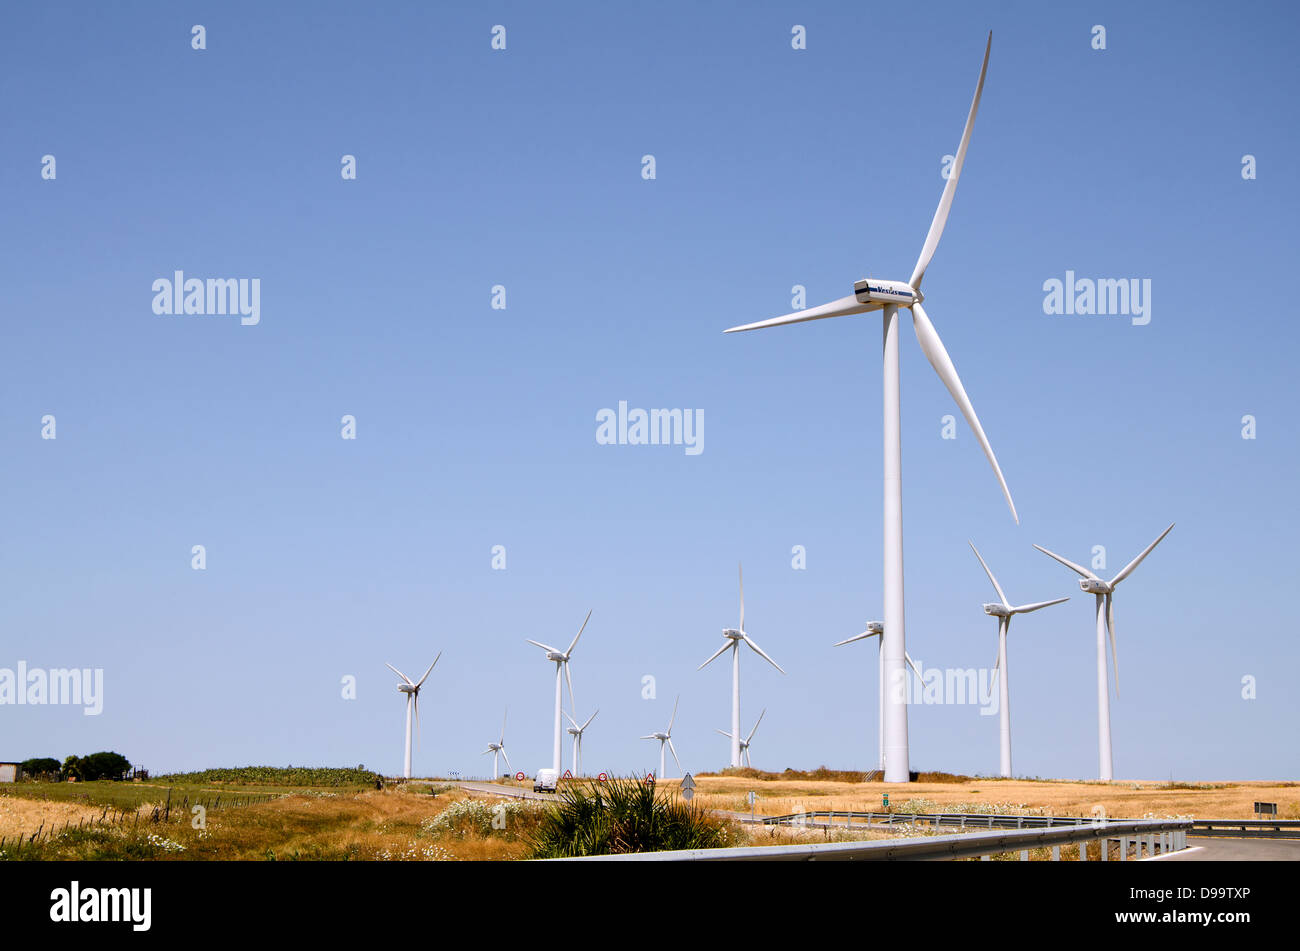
[(1247, 828), (1235, 828), (962, 820), (1155, 835)]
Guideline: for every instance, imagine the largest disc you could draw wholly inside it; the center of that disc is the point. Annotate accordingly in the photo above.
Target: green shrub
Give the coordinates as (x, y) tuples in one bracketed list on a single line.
[(623, 816)]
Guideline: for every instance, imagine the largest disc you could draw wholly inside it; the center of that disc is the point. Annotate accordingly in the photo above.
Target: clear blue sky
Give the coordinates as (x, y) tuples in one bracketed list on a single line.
[(476, 427)]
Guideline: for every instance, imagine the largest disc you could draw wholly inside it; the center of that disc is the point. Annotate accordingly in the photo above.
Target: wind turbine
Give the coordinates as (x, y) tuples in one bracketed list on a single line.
[(889, 296), (412, 691), (499, 748), (1004, 612), (876, 629), (734, 637), (576, 732), (1105, 625), (561, 659), (744, 744), (665, 739)]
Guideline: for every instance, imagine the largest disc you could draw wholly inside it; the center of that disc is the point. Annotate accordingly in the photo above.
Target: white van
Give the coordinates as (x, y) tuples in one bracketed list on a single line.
[(545, 780)]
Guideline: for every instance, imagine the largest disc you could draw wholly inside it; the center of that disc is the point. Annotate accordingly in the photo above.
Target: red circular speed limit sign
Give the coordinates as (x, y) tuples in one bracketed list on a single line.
[(602, 777), (520, 775)]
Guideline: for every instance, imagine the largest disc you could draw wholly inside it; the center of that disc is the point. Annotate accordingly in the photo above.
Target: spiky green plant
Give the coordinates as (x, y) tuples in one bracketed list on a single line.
[(623, 815)]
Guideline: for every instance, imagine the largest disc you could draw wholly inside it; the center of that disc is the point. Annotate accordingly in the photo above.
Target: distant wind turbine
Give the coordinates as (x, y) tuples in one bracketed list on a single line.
[(561, 659), (744, 744), (876, 629), (1003, 611), (734, 638), (666, 739), (1105, 624), (412, 691), (499, 748), (576, 732)]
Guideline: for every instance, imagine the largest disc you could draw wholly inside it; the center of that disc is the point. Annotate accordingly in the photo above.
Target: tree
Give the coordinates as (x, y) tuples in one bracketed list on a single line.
[(104, 765), (72, 768), (41, 766)]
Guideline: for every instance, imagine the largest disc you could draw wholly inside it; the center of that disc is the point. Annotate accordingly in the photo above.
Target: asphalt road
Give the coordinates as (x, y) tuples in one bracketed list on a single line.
[(1217, 849), (523, 791)]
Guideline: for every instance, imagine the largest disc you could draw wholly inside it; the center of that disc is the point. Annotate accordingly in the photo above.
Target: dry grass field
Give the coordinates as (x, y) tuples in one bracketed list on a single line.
[(782, 796), (399, 823)]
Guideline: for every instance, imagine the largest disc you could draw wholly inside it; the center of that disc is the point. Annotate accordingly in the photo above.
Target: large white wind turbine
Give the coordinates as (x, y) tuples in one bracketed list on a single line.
[(499, 748), (576, 732), (744, 744), (876, 629), (1105, 625), (1003, 611), (412, 691), (889, 296), (666, 739), (561, 659), (734, 637)]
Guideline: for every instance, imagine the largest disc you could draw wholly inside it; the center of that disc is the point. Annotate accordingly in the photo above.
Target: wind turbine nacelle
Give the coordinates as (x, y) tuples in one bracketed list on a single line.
[(405, 688), (996, 610), (732, 633), (875, 627), (1093, 586), (884, 292)]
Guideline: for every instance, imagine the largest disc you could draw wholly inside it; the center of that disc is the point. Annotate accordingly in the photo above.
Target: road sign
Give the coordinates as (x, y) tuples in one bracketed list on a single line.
[(568, 774), (1265, 808), (520, 776), (650, 778), (688, 787), (602, 777)]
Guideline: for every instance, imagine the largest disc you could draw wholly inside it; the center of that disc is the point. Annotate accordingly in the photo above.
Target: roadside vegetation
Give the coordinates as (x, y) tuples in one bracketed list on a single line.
[(622, 816)]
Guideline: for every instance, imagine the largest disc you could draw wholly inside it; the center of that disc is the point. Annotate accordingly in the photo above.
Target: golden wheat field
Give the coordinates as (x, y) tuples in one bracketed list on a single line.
[(1211, 800)]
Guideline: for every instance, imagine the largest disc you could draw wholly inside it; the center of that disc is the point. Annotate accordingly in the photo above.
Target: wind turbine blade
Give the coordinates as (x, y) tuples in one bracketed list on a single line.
[(912, 664), (1110, 629), (748, 762), (1083, 572), (725, 733), (430, 670), (934, 351), (503, 726), (742, 597), (545, 647), (836, 308), (855, 637), (650, 737), (672, 750), (569, 677), (756, 723), (996, 587), (1026, 608), (1128, 569), (589, 719), (758, 650), (505, 756), (950, 187), (674, 716), (727, 646), (399, 673), (486, 751), (579, 634), (571, 720)]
